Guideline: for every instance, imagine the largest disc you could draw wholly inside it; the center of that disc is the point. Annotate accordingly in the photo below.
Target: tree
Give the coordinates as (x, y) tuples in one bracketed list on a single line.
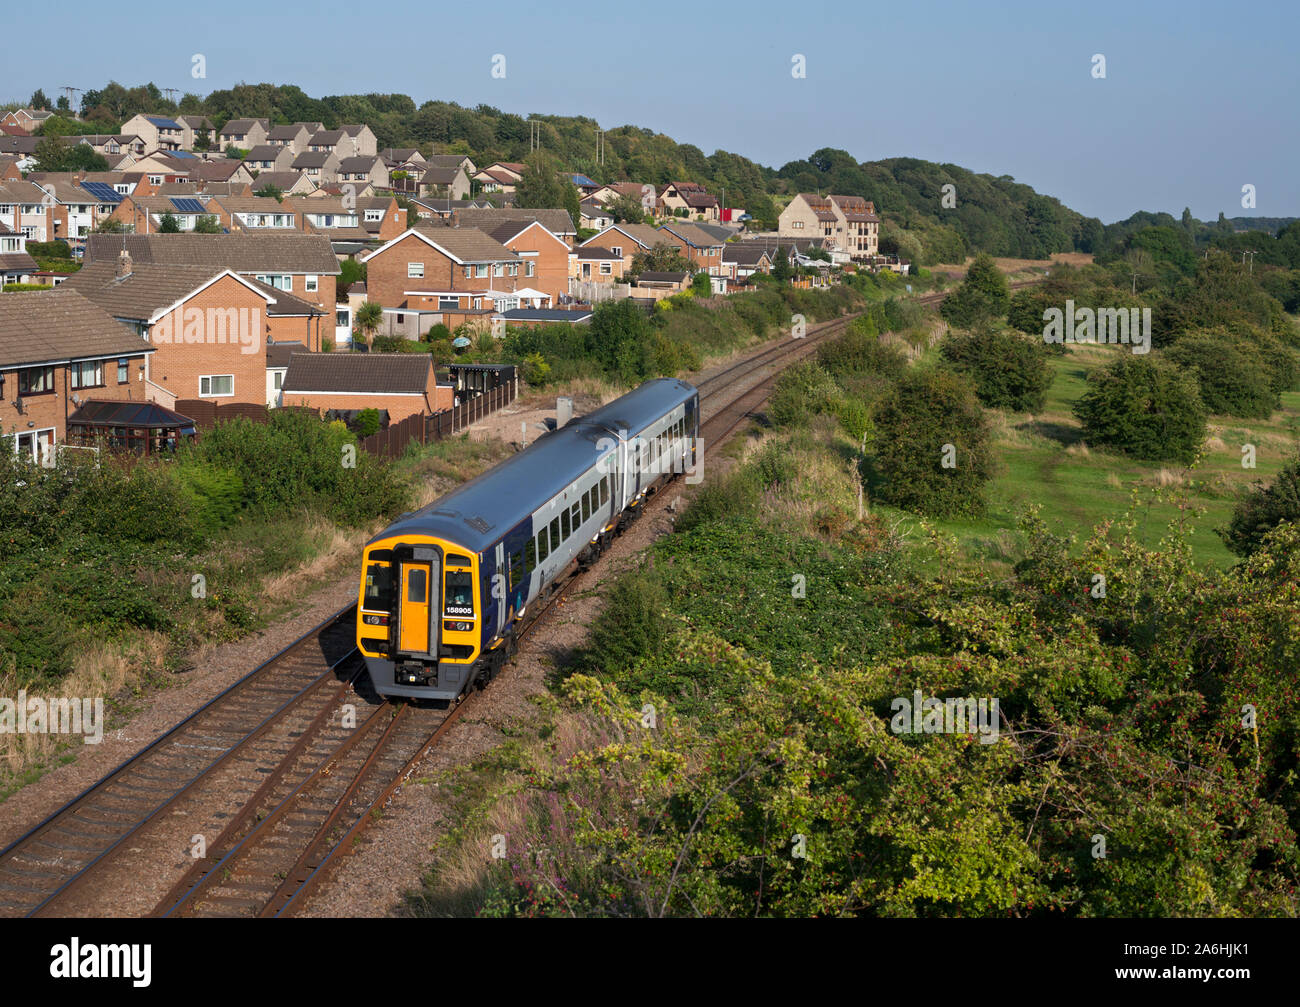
[(271, 191), (56, 154), (982, 296), (1010, 371), (110, 225), (619, 338), (39, 101), (169, 224), (701, 286), (369, 317), (932, 445), (1145, 408), (1263, 509), (62, 104), (662, 258), (626, 209), (206, 223), (781, 269)]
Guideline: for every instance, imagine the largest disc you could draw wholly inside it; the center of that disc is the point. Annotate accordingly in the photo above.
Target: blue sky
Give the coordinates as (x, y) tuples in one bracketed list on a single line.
[(1199, 99)]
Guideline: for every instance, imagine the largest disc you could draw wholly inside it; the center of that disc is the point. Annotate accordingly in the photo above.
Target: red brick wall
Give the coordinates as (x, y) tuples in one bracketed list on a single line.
[(551, 262), (387, 282), (177, 364), (299, 330)]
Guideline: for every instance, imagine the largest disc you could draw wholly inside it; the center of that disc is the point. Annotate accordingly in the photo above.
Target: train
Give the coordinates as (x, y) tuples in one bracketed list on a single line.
[(445, 590)]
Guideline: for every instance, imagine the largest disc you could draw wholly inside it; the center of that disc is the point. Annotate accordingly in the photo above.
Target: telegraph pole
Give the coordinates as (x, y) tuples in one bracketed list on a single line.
[(1252, 253)]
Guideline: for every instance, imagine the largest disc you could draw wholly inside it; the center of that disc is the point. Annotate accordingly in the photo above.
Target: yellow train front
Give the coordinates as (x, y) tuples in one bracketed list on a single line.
[(445, 589)]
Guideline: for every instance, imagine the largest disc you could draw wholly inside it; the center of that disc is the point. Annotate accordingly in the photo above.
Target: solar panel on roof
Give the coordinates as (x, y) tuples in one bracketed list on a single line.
[(102, 191), (187, 205)]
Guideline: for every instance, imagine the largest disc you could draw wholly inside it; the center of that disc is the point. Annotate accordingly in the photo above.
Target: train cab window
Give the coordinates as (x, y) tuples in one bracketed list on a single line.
[(417, 585), (564, 524), (530, 556), (459, 596), (586, 506), (555, 534), (543, 550), (379, 587)]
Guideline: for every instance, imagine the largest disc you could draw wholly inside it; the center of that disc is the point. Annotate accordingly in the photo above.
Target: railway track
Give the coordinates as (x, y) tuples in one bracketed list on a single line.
[(311, 780)]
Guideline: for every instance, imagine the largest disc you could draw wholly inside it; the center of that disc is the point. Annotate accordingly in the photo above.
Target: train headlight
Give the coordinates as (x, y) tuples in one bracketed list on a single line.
[(458, 627)]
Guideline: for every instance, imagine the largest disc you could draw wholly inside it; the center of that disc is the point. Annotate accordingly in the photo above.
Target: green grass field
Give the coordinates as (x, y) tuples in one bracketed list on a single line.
[(1044, 461)]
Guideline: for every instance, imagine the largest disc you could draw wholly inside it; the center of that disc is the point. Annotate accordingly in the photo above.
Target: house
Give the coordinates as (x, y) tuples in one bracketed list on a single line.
[(58, 349), (119, 143), (159, 132), (592, 263), (145, 214), (294, 138), (16, 266), (429, 208), (848, 224), (26, 209), (29, 120), (500, 176), (337, 218), (382, 217), (224, 170), (256, 213), (75, 210), (558, 222), (433, 267), (23, 148), (268, 157), (363, 140), (319, 166), (645, 194), (400, 384), (333, 141), (277, 363), (544, 256), (207, 325), (690, 198), (9, 169), (700, 248), (660, 285), (362, 169), (626, 240), (244, 134), (290, 183), (582, 183), (451, 161), (594, 217), (743, 260), (296, 263), (415, 177), (196, 127)]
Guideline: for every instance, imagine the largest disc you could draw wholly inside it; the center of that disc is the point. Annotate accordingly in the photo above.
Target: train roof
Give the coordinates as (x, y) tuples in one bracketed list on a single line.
[(476, 514)]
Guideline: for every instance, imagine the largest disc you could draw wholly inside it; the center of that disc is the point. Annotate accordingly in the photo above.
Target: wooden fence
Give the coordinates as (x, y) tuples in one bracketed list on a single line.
[(392, 442)]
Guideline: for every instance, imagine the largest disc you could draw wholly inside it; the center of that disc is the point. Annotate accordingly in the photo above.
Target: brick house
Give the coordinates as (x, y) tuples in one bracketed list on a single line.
[(208, 326), (144, 214), (544, 256), (627, 240), (332, 141), (196, 126), (700, 248), (27, 209), (364, 142), (58, 348), (401, 384), (593, 264), (257, 213), (333, 216), (26, 119), (300, 264), (432, 267), (16, 266), (558, 222)]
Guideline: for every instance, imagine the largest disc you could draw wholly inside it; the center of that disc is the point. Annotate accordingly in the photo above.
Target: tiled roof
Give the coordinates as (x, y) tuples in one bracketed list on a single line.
[(60, 324), (244, 253), (264, 152), (277, 354), (361, 162), (327, 136), (468, 244), (555, 221), (14, 262), (392, 373), (237, 127), (147, 289), (643, 234), (284, 132), (282, 180), (312, 159), (693, 235)]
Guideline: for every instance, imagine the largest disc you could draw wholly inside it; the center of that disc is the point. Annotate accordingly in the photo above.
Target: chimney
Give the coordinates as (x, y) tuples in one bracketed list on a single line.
[(454, 221), (123, 264)]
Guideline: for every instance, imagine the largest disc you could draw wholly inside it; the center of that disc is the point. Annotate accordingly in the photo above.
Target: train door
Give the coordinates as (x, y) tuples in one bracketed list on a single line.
[(499, 593), (417, 604)]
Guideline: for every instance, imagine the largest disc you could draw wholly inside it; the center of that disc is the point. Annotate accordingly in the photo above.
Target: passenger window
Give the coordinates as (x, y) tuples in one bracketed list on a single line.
[(586, 506), (564, 524), (516, 568), (555, 534), (416, 585), (604, 490), (542, 550), (530, 556), (575, 515)]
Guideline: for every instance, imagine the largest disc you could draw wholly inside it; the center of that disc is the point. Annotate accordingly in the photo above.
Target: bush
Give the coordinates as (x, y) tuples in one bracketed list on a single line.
[(927, 411), (1144, 408), (860, 351), (535, 370), (632, 625), (216, 495), (983, 295), (438, 333), (619, 339), (1230, 371), (49, 250), (1262, 510), (1010, 371), (803, 390), (701, 286), (366, 423)]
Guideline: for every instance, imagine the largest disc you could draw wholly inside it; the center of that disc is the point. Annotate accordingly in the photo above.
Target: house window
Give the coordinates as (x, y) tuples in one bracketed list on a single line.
[(311, 284), (36, 381), (415, 270), (121, 371), (448, 303), (277, 380), (617, 250), (513, 269), (343, 317), (606, 268), (797, 225), (497, 269), (374, 216), (528, 268), (216, 385), (481, 270), (87, 374)]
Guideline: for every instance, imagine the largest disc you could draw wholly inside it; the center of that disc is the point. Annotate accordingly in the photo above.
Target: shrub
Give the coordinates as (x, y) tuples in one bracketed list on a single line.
[(1262, 509), (632, 625), (438, 333), (1230, 371), (1010, 371), (803, 390), (983, 295), (927, 411), (701, 286), (860, 351), (366, 423), (216, 495), (1144, 408), (535, 370)]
